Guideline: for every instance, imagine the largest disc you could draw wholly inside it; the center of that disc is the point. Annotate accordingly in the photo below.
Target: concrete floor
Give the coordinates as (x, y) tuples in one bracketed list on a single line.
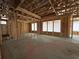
[(76, 37), (34, 46)]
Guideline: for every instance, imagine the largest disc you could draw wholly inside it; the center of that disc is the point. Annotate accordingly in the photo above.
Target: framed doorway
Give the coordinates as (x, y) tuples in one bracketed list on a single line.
[(74, 28)]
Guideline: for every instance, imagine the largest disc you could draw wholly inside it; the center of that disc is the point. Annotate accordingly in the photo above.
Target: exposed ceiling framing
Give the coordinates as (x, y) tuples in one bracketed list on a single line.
[(28, 12), (40, 8), (43, 7)]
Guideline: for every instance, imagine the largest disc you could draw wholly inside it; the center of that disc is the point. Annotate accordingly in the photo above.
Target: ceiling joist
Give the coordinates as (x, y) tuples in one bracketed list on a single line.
[(26, 17), (28, 12)]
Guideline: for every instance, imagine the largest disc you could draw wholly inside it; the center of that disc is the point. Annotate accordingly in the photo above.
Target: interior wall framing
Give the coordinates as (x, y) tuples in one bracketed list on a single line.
[(17, 28), (65, 25)]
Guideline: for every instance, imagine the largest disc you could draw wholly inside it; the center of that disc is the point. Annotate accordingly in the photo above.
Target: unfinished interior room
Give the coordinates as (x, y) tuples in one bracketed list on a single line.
[(39, 29)]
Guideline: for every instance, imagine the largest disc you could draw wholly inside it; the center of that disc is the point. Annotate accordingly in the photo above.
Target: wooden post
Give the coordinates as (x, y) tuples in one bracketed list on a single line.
[(72, 29), (0, 33), (0, 39), (53, 27), (15, 19)]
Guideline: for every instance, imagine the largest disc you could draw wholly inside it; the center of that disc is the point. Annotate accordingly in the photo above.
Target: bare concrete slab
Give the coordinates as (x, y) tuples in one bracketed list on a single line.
[(41, 47)]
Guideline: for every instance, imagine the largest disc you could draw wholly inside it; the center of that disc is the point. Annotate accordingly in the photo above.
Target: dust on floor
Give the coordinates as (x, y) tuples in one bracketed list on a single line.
[(41, 47)]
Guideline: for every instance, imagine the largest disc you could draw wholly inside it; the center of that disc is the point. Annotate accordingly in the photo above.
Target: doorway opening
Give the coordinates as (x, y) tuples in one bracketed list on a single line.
[(74, 28)]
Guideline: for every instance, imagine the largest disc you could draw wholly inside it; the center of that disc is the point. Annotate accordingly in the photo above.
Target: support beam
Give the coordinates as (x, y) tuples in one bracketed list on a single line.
[(20, 3), (40, 6), (28, 12), (52, 6), (18, 20), (27, 17)]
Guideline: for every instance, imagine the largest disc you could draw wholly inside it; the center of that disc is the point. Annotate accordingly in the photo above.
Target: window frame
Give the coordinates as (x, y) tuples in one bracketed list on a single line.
[(3, 22), (44, 27), (57, 26), (34, 26), (53, 26)]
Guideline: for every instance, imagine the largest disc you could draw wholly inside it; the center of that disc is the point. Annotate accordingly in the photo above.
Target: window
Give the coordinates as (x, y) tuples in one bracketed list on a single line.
[(44, 26), (34, 26), (50, 26), (3, 22), (75, 25), (57, 26)]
